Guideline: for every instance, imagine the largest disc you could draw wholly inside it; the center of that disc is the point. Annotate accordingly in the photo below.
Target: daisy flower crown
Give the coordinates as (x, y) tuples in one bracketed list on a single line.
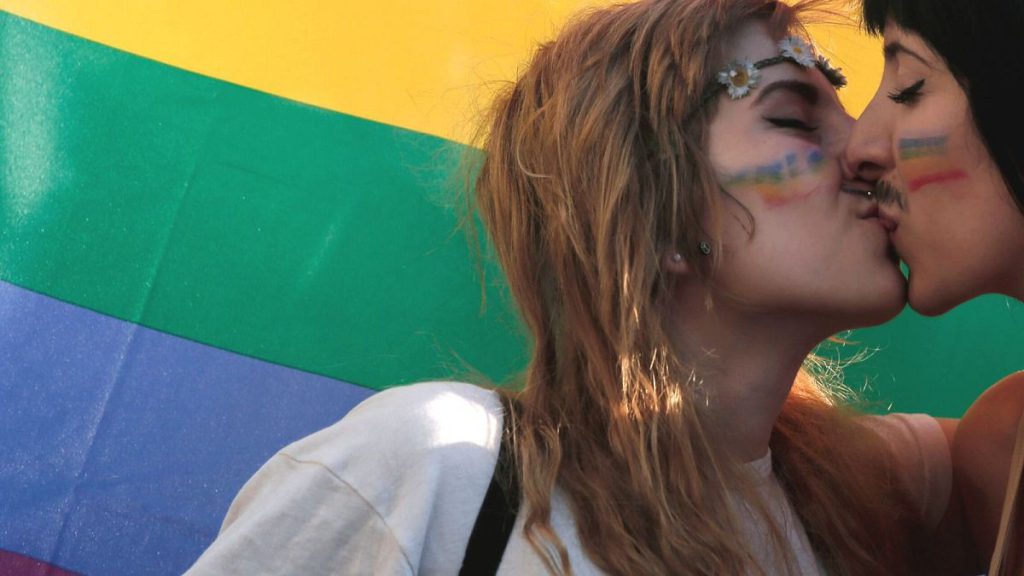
[(739, 77)]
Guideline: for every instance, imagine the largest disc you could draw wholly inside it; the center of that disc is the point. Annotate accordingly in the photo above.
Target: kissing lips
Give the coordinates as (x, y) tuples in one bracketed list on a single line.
[(888, 223)]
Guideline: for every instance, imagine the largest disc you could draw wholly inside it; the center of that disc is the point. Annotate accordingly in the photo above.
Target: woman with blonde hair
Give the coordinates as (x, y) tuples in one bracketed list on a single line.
[(663, 187)]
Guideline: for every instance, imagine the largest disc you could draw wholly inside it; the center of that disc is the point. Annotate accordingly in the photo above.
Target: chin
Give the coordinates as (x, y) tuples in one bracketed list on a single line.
[(888, 299), (887, 308), (931, 299)]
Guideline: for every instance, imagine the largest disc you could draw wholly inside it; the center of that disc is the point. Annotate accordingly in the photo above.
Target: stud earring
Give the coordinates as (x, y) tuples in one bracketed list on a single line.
[(704, 248), (677, 258)]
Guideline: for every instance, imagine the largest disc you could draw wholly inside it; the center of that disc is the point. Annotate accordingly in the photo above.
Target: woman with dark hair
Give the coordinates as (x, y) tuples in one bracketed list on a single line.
[(942, 140), (942, 137), (664, 188)]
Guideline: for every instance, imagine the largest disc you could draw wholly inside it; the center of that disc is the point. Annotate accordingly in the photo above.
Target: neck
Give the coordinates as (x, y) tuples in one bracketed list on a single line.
[(747, 363)]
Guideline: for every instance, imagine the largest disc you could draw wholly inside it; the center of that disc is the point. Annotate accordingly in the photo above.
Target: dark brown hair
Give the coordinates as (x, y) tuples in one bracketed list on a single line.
[(980, 42)]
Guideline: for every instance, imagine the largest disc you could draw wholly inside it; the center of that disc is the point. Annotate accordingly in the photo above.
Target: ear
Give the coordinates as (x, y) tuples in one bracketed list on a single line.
[(673, 262)]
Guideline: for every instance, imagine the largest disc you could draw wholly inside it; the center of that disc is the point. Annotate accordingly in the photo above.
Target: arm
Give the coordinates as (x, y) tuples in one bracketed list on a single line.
[(392, 489), (950, 548), (921, 445), (982, 452), (296, 517)]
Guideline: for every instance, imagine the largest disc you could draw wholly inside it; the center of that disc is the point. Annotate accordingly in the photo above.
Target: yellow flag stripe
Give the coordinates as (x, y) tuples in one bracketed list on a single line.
[(425, 66)]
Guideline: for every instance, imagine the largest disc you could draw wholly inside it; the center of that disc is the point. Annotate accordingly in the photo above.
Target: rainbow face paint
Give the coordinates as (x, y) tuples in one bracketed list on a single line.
[(911, 148), (936, 178), (815, 160), (926, 162), (775, 182)]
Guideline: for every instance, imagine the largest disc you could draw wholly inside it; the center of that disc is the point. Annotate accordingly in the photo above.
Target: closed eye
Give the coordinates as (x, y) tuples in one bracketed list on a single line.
[(908, 95), (793, 123)]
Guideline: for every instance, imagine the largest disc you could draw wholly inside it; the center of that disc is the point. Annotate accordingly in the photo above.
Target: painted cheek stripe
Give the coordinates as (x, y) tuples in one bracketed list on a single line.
[(815, 160), (911, 148), (937, 178), (792, 170), (769, 180)]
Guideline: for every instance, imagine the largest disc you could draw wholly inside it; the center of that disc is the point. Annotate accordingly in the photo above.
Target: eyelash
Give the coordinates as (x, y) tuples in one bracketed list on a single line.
[(908, 95), (792, 123)]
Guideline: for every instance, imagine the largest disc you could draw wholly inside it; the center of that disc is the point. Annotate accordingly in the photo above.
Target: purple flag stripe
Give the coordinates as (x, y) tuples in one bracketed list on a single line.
[(12, 564), (124, 446)]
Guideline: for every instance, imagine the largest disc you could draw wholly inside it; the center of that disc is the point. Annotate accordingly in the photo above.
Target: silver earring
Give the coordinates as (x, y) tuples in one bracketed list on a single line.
[(704, 248), (677, 257)]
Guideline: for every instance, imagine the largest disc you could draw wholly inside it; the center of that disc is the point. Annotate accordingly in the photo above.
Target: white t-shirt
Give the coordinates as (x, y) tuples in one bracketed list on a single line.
[(395, 488)]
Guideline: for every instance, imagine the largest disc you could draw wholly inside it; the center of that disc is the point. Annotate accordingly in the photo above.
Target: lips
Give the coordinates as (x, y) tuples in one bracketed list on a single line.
[(890, 226), (887, 217), (888, 223), (871, 211)]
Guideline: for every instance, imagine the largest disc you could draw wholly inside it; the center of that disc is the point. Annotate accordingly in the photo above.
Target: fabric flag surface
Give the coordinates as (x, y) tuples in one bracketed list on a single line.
[(223, 227)]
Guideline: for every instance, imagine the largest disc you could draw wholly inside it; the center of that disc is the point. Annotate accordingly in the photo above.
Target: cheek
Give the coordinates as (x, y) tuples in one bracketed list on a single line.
[(793, 177), (786, 265), (926, 162)]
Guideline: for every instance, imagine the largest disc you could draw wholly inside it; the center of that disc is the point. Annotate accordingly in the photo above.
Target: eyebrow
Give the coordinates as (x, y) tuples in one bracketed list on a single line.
[(803, 89), (895, 48)]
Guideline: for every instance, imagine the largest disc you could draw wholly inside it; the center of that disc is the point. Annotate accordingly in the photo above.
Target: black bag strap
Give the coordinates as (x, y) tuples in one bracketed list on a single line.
[(498, 513)]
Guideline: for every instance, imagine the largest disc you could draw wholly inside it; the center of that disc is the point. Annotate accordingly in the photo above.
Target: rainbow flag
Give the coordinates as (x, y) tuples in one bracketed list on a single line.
[(223, 227)]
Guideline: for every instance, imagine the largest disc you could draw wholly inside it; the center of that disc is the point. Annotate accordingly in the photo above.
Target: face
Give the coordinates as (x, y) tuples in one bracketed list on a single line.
[(817, 250), (950, 216)]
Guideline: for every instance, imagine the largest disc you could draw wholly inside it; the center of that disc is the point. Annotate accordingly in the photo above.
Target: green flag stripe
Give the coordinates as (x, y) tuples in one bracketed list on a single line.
[(309, 238), (237, 219)]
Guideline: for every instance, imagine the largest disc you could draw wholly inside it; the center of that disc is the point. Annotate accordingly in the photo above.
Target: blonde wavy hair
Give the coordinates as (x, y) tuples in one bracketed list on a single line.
[(595, 162)]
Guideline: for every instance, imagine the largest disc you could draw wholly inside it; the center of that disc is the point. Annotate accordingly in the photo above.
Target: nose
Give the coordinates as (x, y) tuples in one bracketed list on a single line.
[(839, 135), (868, 153)]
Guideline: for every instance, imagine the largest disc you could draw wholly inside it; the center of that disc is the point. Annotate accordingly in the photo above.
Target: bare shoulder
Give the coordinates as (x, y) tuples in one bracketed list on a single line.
[(982, 451), (990, 424)]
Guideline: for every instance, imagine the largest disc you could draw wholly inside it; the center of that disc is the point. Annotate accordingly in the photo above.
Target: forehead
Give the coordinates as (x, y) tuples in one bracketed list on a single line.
[(901, 44), (896, 33), (753, 41)]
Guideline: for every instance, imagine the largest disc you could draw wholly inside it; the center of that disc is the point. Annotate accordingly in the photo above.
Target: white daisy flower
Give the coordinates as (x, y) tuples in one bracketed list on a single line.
[(798, 50), (739, 78)]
